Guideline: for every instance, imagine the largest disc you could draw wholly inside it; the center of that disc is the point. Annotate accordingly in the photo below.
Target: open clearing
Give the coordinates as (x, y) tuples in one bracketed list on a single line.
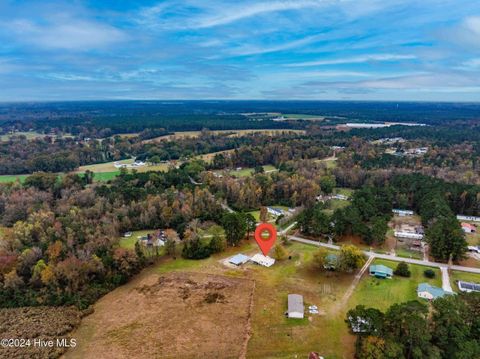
[(176, 315), (234, 133)]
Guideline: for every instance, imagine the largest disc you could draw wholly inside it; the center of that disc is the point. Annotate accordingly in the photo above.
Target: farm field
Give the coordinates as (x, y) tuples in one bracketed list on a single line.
[(299, 116), (234, 133), (381, 293), (146, 318)]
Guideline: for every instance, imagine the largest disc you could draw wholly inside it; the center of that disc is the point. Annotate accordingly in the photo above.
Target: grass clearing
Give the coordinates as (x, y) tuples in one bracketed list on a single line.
[(249, 171), (12, 178)]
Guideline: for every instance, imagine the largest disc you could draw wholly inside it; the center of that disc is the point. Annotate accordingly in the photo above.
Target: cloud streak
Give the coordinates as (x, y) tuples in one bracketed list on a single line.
[(355, 60)]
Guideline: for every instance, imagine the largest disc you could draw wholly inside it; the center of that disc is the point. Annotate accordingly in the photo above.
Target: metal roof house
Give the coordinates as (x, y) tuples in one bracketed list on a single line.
[(265, 261), (331, 261), (402, 212), (380, 271), (430, 292), (295, 306), (468, 286), (238, 259)]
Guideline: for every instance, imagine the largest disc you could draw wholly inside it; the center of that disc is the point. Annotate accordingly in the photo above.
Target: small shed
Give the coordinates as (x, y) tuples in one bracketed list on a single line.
[(430, 292), (238, 259), (381, 271), (295, 306)]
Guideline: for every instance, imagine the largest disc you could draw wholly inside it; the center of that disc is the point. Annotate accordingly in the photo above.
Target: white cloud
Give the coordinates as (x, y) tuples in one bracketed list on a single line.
[(354, 60), (65, 33), (233, 14)]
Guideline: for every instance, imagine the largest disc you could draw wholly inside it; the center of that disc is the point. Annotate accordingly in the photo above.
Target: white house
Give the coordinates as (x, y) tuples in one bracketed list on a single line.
[(275, 211), (410, 235), (263, 260), (461, 217), (295, 306), (402, 212)]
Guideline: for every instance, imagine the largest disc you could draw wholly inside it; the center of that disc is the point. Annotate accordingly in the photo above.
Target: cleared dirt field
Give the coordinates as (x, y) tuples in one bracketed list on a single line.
[(39, 323), (175, 315)]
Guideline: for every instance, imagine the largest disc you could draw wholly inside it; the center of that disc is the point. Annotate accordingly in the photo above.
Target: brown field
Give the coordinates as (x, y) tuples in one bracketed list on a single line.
[(174, 315), (41, 323)]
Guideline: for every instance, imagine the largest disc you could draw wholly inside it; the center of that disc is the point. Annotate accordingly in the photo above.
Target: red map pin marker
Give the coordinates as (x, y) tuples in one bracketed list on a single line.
[(265, 244)]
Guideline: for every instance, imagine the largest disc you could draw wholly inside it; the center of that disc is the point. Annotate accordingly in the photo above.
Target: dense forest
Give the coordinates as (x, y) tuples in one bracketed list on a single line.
[(450, 329)]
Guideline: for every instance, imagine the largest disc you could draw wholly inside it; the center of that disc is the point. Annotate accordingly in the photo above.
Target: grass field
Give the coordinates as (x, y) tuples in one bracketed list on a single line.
[(406, 253), (234, 133), (12, 178), (455, 276), (382, 293), (245, 172), (299, 116)]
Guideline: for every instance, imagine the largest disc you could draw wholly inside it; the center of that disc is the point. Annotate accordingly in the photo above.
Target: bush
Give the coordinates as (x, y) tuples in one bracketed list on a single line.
[(429, 273), (402, 270)]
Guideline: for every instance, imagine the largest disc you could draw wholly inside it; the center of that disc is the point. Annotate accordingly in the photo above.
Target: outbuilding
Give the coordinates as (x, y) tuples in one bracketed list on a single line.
[(381, 271), (295, 306), (238, 259)]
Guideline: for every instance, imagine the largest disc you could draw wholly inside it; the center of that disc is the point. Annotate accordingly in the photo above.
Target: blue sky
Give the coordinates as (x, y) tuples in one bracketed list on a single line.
[(204, 49)]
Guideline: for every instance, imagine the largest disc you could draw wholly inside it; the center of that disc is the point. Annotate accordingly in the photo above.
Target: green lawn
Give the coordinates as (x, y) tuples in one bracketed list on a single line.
[(464, 276), (345, 191), (245, 172), (382, 293), (12, 178), (129, 242), (405, 253)]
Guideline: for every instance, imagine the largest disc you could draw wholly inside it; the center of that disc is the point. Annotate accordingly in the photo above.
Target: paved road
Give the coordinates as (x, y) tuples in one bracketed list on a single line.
[(390, 257)]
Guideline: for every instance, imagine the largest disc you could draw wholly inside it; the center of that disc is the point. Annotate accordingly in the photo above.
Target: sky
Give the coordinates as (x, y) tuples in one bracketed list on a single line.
[(399, 50)]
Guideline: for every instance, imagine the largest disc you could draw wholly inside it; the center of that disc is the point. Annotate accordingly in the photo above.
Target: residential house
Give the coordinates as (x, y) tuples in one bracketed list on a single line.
[(468, 228), (430, 292), (402, 212), (381, 271), (331, 261), (263, 260)]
